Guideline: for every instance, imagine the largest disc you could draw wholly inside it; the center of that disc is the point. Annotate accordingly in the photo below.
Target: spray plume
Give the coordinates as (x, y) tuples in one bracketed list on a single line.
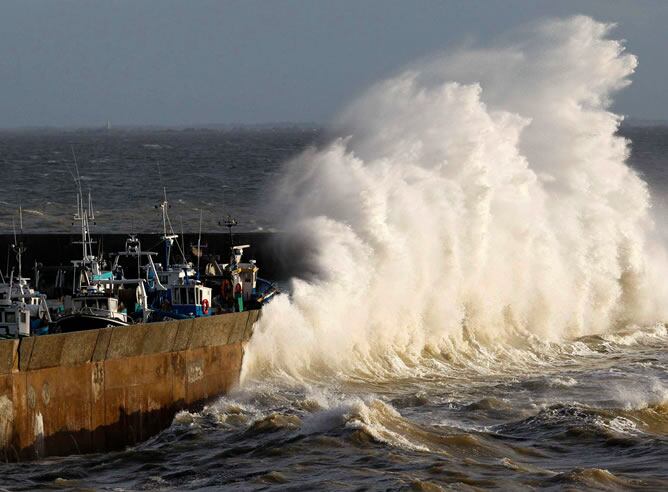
[(479, 197)]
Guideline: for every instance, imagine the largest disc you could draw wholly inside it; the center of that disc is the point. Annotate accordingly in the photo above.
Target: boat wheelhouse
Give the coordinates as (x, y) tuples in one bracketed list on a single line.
[(177, 291), (183, 295), (238, 283), (14, 319), (190, 300), (18, 290), (90, 311), (23, 311)]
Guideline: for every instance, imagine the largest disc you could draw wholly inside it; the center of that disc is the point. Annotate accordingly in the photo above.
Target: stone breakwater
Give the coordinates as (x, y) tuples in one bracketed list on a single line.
[(99, 390)]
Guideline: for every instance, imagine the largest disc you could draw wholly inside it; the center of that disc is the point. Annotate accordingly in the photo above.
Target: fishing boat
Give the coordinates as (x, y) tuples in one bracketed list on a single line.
[(135, 291), (94, 302), (14, 319), (237, 282), (179, 293), (23, 311)]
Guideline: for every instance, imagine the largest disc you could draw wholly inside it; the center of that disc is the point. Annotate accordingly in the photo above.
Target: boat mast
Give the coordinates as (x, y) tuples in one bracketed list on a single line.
[(168, 234), (15, 246), (84, 214), (167, 238), (9, 254), (230, 222), (199, 242), (183, 241), (18, 247)]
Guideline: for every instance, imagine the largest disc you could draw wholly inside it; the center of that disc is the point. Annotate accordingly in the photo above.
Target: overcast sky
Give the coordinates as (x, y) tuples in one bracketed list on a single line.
[(82, 62)]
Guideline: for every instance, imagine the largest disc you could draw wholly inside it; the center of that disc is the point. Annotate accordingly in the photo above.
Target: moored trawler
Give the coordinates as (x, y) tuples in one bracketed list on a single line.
[(176, 292), (90, 311), (23, 311), (237, 282), (94, 302)]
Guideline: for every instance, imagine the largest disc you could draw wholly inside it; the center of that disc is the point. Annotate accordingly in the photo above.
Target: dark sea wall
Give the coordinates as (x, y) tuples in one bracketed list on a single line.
[(104, 389)]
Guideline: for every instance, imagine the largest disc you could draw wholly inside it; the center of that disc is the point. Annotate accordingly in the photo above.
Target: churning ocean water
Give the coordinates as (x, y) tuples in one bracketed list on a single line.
[(485, 298), (220, 172)]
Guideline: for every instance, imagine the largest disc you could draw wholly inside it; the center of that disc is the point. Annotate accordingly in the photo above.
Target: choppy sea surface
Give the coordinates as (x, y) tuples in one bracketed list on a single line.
[(586, 414), (220, 172)]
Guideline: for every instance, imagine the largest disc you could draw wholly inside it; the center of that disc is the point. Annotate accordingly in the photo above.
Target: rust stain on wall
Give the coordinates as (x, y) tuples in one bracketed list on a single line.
[(105, 389)]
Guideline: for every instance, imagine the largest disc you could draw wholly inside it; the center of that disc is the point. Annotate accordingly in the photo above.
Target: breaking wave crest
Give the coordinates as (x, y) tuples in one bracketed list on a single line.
[(476, 200)]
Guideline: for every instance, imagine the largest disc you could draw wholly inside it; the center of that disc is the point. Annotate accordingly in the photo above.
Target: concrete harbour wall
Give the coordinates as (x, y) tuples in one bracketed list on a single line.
[(104, 389)]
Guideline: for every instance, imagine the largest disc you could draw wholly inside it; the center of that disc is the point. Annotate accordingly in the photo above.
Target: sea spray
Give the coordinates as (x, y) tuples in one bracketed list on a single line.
[(475, 199)]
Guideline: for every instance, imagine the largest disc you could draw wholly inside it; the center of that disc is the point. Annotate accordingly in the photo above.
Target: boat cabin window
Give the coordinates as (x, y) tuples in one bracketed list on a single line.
[(181, 296), (185, 295), (10, 317), (24, 318), (93, 303)]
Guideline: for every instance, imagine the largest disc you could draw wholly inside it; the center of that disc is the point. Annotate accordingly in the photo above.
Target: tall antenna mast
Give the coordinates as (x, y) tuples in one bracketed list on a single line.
[(164, 206), (18, 247), (9, 249), (230, 222), (84, 215), (168, 239), (183, 241), (91, 211), (168, 235), (199, 242), (167, 229)]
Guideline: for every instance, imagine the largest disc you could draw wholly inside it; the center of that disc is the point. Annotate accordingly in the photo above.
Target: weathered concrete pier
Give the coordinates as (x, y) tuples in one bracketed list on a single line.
[(104, 389)]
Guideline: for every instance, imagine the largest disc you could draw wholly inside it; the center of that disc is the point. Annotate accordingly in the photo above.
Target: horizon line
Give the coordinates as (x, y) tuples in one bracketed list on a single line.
[(627, 120), (159, 126)]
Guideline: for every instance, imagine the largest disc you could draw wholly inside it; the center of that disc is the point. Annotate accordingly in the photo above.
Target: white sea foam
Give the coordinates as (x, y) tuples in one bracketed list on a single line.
[(618, 425), (639, 395), (638, 335), (474, 199), (563, 382)]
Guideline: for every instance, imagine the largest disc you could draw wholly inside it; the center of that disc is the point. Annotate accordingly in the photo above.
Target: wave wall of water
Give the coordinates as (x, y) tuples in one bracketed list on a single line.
[(476, 199)]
